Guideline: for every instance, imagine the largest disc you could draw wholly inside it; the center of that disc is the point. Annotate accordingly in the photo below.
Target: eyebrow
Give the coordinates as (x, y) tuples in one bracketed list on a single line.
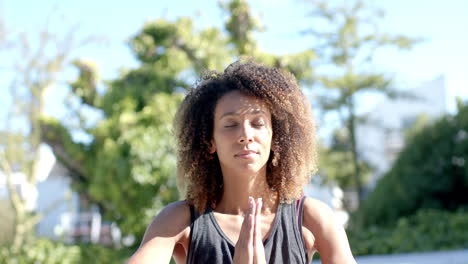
[(255, 112)]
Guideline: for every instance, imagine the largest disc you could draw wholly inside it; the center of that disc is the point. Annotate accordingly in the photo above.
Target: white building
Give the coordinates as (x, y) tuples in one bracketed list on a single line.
[(381, 137), (53, 197)]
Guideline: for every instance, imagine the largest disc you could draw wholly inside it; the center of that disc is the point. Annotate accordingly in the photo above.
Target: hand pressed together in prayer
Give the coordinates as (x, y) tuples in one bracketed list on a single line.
[(249, 247)]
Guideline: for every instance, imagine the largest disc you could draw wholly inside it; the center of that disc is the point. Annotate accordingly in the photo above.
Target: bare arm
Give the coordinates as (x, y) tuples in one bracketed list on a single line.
[(330, 237), (165, 231)]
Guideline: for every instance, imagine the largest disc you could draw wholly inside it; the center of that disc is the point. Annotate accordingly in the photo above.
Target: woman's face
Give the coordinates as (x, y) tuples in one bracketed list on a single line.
[(242, 133)]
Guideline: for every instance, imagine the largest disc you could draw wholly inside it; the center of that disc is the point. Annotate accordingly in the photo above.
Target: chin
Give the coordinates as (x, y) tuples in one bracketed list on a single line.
[(245, 166), (252, 167)]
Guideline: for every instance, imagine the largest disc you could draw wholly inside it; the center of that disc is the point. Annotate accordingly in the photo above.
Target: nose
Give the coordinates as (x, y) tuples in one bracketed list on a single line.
[(246, 134)]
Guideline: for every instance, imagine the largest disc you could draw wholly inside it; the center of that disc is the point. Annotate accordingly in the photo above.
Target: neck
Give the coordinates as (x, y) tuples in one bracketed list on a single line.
[(239, 186)]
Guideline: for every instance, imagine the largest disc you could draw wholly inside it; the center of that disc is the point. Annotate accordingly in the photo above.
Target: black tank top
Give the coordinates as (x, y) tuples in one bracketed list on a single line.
[(285, 244)]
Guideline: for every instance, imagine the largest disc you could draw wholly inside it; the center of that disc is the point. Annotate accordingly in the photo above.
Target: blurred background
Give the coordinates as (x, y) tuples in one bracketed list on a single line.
[(88, 90)]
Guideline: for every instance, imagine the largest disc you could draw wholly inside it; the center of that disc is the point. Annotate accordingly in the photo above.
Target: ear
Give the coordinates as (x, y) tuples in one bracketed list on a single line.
[(212, 148)]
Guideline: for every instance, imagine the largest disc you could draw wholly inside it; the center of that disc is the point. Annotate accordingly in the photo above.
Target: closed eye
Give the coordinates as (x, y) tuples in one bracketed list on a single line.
[(258, 122)]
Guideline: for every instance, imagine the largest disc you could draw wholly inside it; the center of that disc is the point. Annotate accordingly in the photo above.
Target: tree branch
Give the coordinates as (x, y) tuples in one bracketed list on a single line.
[(16, 200)]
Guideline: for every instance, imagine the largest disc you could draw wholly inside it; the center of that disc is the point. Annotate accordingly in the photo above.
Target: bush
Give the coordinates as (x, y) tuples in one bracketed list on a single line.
[(430, 172), (46, 251), (427, 230)]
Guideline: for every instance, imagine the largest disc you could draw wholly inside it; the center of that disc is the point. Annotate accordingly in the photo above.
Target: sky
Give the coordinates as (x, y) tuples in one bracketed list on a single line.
[(440, 23)]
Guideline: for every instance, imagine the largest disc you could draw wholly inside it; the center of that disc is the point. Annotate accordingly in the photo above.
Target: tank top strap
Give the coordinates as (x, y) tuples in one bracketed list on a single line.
[(193, 217), (300, 211), (299, 221), (192, 213)]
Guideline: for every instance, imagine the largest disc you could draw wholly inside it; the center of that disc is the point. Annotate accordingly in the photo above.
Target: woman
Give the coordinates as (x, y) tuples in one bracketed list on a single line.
[(245, 151)]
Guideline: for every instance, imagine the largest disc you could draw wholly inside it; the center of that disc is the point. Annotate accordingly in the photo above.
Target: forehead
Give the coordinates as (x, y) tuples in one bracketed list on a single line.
[(238, 103)]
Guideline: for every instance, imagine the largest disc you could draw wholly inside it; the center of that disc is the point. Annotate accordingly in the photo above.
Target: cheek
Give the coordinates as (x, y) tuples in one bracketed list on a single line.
[(220, 141), (266, 138), (220, 136)]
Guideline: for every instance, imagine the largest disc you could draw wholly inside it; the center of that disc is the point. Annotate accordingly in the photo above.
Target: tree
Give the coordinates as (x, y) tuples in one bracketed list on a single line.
[(346, 42), (429, 173), (34, 70), (338, 153), (128, 167)]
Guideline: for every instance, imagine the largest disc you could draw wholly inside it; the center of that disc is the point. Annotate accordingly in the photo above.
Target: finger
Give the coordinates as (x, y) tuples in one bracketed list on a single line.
[(258, 222), (259, 251), (259, 205), (244, 246), (246, 221), (246, 232), (252, 217)]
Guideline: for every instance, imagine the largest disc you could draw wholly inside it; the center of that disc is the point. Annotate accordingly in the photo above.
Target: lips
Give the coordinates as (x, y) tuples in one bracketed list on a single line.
[(246, 154)]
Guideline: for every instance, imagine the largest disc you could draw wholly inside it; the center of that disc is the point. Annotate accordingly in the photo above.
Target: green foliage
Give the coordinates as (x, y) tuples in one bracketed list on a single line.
[(45, 251), (134, 159), (426, 230), (241, 26), (430, 172), (416, 127), (85, 86)]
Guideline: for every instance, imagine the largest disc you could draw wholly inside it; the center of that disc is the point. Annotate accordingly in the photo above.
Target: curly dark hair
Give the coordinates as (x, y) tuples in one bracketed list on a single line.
[(291, 164)]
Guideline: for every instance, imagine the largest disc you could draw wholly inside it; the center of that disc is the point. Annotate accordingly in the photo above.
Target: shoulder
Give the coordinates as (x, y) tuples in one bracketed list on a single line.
[(179, 210), (318, 218), (170, 222), (317, 214), (169, 228), (330, 237)]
